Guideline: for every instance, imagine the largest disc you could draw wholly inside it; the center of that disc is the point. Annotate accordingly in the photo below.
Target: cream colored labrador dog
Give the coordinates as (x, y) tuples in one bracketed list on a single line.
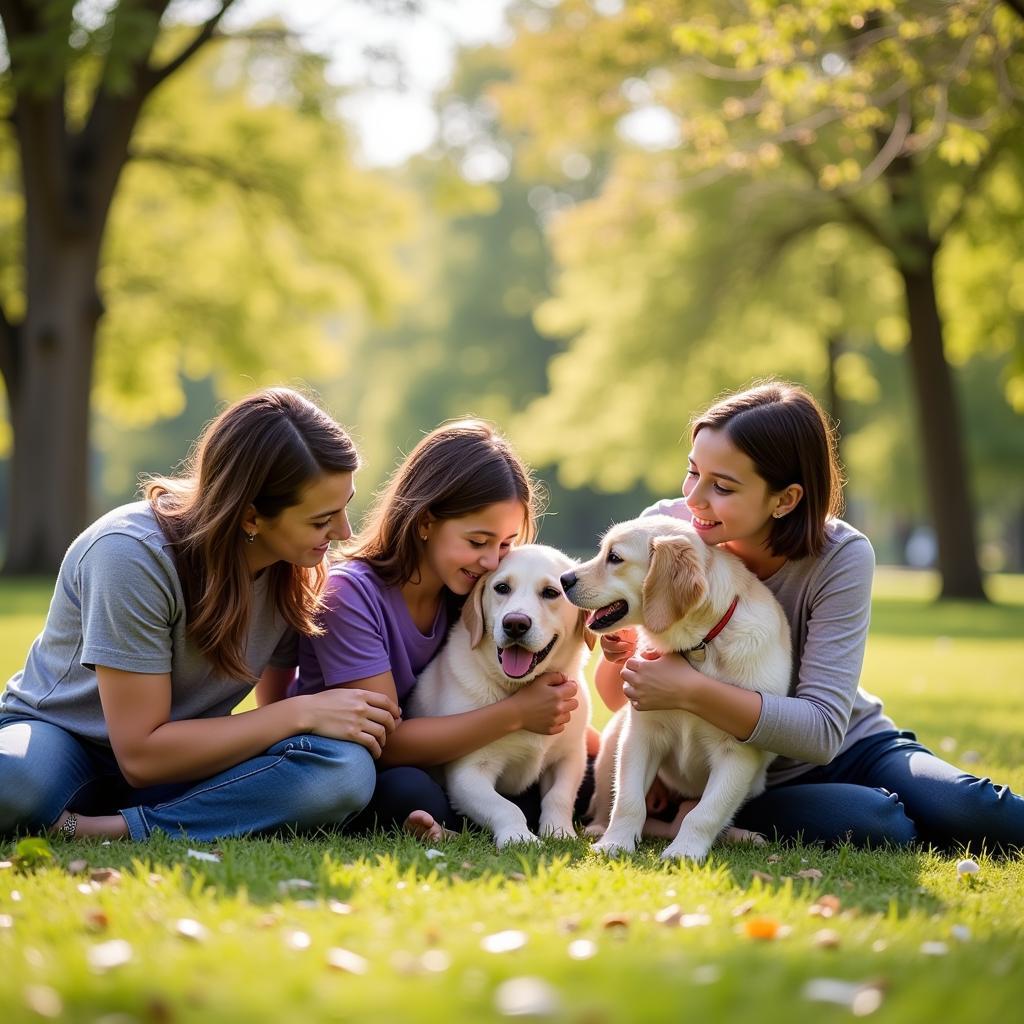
[(656, 573), (515, 625)]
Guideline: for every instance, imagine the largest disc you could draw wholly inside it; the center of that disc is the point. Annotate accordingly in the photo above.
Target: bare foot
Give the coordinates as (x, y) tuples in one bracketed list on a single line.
[(423, 826), (107, 826)]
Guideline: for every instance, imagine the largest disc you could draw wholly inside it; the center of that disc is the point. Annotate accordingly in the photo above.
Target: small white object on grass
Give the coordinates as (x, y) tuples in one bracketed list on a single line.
[(526, 997), (503, 942), (108, 955), (345, 960), (582, 949), (967, 867), (203, 855)]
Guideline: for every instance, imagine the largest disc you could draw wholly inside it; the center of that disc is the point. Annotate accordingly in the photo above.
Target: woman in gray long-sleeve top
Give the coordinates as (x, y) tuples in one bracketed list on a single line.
[(763, 481)]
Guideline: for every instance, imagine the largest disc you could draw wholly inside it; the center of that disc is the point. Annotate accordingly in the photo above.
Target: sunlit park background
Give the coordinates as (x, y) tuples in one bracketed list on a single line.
[(583, 221)]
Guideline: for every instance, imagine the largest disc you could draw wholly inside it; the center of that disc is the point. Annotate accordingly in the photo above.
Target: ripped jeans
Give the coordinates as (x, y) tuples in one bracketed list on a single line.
[(303, 782)]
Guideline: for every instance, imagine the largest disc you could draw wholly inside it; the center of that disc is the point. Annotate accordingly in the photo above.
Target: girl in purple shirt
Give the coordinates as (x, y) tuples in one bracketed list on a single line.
[(448, 515)]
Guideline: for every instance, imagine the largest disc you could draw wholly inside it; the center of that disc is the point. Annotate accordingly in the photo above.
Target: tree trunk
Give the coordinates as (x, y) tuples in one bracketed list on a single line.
[(49, 399), (946, 479)]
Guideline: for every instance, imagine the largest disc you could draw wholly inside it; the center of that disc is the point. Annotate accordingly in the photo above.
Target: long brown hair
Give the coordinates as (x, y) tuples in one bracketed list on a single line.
[(457, 469), (261, 452), (788, 437)]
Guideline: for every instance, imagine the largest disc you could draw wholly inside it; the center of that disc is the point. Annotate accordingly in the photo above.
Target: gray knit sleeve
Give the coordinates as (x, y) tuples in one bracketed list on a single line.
[(811, 724)]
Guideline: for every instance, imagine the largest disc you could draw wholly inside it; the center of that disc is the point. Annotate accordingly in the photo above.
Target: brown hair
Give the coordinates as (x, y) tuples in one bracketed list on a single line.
[(457, 469), (261, 452), (790, 440)]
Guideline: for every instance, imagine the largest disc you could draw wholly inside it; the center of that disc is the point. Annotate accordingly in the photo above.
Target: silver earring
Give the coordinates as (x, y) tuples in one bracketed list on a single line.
[(249, 537)]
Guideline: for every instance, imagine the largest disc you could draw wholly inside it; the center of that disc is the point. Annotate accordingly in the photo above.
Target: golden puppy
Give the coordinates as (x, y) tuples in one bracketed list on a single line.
[(516, 625), (656, 573)]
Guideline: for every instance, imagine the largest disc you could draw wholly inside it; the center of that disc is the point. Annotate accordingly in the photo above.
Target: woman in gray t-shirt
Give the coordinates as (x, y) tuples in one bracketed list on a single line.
[(167, 613), (763, 481)]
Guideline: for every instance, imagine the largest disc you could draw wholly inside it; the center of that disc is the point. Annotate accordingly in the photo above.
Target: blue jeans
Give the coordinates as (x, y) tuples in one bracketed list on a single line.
[(888, 789), (303, 782), (402, 790)]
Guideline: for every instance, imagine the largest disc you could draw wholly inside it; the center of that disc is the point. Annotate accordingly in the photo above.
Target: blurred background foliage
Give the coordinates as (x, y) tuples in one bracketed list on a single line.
[(618, 220)]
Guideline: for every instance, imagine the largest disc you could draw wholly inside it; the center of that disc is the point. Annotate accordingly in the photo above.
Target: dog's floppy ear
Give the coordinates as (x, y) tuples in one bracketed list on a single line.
[(588, 636), (674, 582), (473, 611)]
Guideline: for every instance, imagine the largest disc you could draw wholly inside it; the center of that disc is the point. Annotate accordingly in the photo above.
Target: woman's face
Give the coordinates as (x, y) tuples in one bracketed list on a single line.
[(457, 552), (302, 533), (727, 499)]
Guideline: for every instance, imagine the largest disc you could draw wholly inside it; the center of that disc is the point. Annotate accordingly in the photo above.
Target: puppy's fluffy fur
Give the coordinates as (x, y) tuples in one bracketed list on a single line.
[(656, 573), (516, 625)]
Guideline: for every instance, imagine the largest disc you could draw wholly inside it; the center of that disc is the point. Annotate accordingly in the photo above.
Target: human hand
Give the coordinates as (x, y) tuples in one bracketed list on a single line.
[(545, 705), (359, 716), (619, 646), (658, 682)]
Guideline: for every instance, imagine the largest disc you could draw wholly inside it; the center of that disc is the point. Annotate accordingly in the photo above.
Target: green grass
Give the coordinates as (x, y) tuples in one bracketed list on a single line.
[(952, 672)]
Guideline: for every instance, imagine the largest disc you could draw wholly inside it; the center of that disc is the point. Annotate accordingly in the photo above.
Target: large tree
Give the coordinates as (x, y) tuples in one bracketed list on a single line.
[(187, 206), (886, 119)]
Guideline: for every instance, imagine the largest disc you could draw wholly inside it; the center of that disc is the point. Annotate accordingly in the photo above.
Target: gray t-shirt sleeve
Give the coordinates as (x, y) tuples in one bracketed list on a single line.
[(129, 606), (286, 654), (811, 724)]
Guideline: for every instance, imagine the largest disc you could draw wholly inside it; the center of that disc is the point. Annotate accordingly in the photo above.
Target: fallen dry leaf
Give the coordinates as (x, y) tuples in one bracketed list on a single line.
[(620, 920), (761, 928), (826, 938), (339, 959), (106, 876), (44, 1001), (810, 873), (774, 858), (860, 999), (825, 906), (96, 920), (516, 876), (669, 915), (743, 908), (762, 876)]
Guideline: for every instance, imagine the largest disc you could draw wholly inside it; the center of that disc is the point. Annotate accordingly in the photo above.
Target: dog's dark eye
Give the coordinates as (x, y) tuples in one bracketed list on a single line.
[(549, 593), (502, 588), (614, 558)]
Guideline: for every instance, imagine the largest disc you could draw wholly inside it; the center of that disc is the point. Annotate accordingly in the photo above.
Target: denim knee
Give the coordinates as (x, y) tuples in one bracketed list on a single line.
[(23, 797), (337, 780), (883, 822)]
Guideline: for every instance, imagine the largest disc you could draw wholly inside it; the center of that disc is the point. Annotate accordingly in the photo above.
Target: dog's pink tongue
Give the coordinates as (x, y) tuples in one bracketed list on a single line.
[(516, 661), (602, 612)]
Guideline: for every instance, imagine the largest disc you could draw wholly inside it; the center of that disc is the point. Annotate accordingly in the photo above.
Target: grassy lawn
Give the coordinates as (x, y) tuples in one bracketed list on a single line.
[(340, 929)]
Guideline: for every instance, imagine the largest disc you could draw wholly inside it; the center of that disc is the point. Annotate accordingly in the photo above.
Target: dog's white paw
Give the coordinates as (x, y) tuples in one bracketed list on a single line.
[(514, 837), (557, 829), (615, 847), (742, 835), (596, 829), (686, 850)]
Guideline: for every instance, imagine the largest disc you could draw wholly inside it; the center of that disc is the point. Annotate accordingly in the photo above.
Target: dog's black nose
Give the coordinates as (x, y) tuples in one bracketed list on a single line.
[(568, 581), (516, 624)]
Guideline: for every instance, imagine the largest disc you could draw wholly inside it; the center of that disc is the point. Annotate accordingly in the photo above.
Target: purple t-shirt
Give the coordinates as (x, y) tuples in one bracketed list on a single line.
[(368, 631)]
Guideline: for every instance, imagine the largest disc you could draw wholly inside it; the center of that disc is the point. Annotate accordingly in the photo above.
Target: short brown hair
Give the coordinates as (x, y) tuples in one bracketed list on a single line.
[(262, 452), (790, 440), (457, 469)]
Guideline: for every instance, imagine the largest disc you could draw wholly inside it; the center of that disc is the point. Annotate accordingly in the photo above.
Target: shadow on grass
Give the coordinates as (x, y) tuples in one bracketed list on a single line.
[(334, 867)]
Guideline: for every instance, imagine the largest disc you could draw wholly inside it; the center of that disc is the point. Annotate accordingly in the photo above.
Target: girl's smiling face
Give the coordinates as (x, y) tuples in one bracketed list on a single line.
[(457, 552), (727, 499)]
